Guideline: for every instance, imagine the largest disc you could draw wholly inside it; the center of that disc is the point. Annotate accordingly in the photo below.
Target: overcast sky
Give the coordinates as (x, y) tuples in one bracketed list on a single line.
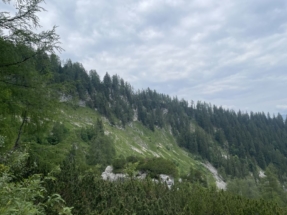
[(230, 52)]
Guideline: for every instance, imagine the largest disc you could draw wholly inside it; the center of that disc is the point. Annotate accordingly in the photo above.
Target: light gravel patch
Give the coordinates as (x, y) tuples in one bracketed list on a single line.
[(219, 182), (137, 150)]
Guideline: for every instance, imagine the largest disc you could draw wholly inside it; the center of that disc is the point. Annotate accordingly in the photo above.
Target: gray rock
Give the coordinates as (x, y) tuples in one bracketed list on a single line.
[(141, 176), (219, 182), (108, 175), (167, 179), (109, 169)]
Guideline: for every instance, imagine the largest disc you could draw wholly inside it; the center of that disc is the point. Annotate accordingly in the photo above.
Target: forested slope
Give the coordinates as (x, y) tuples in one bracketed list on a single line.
[(236, 143), (61, 125), (233, 142)]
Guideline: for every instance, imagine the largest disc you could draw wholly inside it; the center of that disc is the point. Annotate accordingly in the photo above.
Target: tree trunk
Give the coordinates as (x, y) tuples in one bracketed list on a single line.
[(17, 142)]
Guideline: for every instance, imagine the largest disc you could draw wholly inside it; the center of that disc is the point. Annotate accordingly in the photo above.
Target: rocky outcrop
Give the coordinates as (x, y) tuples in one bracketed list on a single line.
[(219, 182), (167, 179), (108, 175), (262, 174)]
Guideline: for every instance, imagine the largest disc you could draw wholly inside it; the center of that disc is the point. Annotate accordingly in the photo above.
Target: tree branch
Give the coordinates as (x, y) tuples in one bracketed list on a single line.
[(25, 14), (15, 84), (19, 62)]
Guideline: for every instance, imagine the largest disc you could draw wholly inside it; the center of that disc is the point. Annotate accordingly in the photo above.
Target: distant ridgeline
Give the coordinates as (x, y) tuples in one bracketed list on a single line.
[(233, 142), (45, 150)]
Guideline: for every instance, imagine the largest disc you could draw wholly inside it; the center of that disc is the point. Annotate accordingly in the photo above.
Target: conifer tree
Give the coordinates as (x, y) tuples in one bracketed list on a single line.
[(20, 80)]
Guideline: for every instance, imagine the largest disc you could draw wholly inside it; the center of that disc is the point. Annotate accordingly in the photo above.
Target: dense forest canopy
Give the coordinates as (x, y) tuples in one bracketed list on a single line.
[(249, 139), (34, 84)]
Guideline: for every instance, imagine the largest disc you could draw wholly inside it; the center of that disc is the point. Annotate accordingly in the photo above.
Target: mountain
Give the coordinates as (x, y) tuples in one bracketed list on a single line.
[(223, 137), (61, 126), (68, 124)]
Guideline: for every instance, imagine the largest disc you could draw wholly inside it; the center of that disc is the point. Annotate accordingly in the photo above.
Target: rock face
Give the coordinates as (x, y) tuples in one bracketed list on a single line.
[(65, 98), (167, 179), (82, 103), (108, 175), (141, 176), (261, 174), (219, 182)]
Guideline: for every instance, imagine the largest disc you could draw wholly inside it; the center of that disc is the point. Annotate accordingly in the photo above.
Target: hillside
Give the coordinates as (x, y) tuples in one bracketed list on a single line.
[(134, 139), (98, 122), (61, 126)]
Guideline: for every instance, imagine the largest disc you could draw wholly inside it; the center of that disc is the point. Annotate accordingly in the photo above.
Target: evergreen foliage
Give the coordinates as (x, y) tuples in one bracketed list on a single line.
[(195, 176), (95, 196), (26, 195), (200, 128), (102, 149), (58, 133), (157, 166), (33, 80), (116, 100), (23, 69)]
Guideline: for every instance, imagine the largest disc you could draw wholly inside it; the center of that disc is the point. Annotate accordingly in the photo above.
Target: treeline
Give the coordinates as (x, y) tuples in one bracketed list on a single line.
[(111, 96), (32, 81), (207, 131), (235, 142), (255, 138)]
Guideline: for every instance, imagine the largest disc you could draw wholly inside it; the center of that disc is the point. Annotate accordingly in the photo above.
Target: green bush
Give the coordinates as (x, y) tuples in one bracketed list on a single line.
[(88, 133), (26, 196), (195, 176), (95, 196), (156, 166), (58, 133), (133, 159), (119, 164)]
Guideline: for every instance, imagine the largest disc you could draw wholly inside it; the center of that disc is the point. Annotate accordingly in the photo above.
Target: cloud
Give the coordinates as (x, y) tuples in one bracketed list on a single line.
[(281, 107), (230, 53)]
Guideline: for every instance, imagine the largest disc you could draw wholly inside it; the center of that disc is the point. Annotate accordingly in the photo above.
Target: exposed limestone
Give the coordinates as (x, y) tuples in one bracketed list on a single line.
[(108, 175), (82, 103), (155, 154), (135, 117), (262, 174), (164, 111), (137, 150), (167, 179), (77, 124), (141, 176), (65, 98), (219, 182)]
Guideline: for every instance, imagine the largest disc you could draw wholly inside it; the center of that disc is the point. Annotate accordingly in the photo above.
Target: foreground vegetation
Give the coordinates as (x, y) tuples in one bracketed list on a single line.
[(95, 196)]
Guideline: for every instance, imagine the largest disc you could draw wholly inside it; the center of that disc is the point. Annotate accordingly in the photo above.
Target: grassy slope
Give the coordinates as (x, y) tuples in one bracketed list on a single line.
[(134, 139)]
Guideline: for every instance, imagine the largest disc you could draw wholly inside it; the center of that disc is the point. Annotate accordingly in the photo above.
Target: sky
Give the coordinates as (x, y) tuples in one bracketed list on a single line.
[(231, 53)]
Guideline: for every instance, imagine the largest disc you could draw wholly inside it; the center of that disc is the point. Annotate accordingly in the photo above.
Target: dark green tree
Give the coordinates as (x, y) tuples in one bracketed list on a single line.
[(23, 82)]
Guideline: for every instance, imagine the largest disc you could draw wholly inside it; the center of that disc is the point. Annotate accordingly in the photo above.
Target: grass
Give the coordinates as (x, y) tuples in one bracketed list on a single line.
[(134, 139)]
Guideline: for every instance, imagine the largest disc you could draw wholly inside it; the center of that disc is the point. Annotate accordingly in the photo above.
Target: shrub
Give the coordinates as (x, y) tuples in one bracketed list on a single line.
[(156, 166), (58, 133), (119, 164)]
